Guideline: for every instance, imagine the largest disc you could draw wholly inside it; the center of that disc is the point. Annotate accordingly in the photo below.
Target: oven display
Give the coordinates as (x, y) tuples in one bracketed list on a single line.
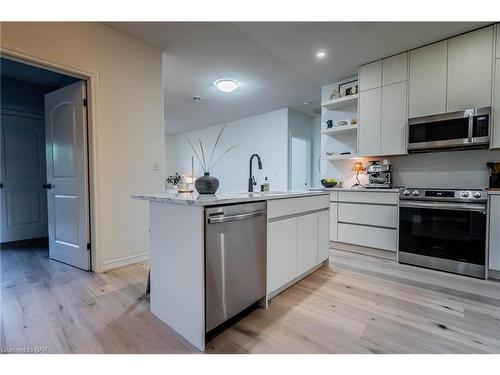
[(440, 194)]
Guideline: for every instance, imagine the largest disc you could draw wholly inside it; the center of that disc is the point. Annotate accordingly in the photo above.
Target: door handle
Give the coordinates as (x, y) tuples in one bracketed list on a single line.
[(1, 185), (47, 186), (225, 219)]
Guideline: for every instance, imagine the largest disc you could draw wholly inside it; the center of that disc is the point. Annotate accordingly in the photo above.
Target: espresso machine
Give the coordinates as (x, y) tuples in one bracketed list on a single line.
[(494, 169), (379, 174)]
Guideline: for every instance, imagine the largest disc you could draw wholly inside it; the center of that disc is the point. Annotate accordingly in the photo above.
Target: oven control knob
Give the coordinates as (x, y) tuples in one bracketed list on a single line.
[(465, 194), (416, 193), (406, 193), (477, 194)]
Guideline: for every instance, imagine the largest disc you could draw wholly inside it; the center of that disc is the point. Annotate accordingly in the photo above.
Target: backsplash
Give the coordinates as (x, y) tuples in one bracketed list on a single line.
[(456, 169)]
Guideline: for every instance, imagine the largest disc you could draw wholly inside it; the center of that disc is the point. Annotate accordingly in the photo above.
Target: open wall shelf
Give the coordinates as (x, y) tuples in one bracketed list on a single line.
[(340, 130), (345, 101)]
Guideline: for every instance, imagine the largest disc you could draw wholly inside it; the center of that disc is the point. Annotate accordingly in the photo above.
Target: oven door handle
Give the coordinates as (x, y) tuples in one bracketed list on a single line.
[(446, 206)]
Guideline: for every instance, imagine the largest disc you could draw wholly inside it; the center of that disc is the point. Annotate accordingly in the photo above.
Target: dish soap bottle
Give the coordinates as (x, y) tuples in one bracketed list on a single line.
[(266, 184)]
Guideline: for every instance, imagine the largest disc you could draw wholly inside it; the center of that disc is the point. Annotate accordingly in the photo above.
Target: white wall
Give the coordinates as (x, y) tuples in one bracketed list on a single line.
[(129, 122), (265, 134)]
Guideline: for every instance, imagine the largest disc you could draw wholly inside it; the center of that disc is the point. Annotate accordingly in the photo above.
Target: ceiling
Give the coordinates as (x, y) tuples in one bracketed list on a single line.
[(274, 62), (34, 75)]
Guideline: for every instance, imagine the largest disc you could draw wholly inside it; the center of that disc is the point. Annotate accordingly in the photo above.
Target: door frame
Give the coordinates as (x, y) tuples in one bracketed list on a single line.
[(92, 154), (309, 159)]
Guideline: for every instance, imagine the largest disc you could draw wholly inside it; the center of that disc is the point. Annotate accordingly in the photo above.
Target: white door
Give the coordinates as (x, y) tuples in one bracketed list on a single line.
[(23, 201), (300, 164), (67, 198)]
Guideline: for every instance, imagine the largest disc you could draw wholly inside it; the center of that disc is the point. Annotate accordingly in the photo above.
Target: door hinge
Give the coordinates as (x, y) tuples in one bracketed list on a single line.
[(84, 102), (89, 246)]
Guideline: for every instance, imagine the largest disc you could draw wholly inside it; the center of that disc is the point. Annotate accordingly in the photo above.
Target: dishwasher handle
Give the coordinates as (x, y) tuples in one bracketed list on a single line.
[(225, 219)]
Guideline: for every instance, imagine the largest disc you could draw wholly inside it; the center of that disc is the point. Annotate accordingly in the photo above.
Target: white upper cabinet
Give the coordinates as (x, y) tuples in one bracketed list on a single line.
[(383, 107), (395, 69), (495, 140), (370, 76), (427, 84), (369, 129), (470, 59), (498, 41), (394, 119)]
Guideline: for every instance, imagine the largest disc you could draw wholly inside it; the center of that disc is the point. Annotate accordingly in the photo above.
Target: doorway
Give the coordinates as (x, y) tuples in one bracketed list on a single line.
[(44, 179), (300, 160)]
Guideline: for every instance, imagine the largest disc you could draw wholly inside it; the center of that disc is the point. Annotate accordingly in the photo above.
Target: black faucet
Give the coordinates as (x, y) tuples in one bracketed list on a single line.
[(251, 178)]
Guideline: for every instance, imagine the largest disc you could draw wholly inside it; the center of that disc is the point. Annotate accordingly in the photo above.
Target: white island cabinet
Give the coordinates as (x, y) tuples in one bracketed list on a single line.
[(297, 244), (297, 239)]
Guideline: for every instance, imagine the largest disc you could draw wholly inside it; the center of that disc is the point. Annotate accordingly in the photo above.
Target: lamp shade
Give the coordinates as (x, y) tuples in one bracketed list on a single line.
[(358, 167)]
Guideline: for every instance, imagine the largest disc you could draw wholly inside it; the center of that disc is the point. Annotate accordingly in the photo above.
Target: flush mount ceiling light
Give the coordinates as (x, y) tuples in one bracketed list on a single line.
[(226, 85), (321, 54)]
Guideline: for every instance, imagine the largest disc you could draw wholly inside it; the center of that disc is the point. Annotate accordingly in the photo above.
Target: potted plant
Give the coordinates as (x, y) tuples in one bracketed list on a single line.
[(174, 179), (207, 184)]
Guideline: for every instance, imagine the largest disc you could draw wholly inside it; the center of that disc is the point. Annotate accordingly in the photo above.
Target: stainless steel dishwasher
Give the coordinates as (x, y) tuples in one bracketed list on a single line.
[(235, 259)]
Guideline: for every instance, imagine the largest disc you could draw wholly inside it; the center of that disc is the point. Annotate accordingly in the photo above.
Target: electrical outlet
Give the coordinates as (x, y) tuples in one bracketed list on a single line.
[(156, 165)]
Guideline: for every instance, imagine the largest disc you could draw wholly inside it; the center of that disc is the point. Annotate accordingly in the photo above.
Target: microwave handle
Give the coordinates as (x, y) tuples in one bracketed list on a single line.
[(471, 126)]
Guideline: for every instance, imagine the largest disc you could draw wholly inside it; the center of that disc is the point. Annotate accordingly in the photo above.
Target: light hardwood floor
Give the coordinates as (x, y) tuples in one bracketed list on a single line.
[(360, 304)]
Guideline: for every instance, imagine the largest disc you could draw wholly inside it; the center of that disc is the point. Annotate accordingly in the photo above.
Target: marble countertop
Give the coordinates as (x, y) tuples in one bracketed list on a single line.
[(196, 199), (363, 190)]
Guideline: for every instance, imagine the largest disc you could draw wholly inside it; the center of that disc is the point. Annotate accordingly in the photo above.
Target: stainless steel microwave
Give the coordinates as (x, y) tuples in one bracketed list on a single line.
[(450, 131)]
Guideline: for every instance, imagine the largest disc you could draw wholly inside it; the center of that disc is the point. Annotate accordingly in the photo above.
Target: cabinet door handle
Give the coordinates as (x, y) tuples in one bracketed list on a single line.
[(47, 186), (1, 185)]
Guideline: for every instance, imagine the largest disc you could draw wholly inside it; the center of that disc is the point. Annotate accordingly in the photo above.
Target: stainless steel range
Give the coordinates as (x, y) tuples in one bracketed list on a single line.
[(443, 229)]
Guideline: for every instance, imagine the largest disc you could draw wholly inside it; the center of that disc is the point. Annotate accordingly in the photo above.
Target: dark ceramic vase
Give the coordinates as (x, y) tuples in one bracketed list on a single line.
[(206, 184)]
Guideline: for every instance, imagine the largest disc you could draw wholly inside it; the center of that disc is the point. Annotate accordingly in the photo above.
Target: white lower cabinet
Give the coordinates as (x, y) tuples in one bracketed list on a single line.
[(368, 218), (379, 238), (366, 214), (333, 220), (281, 253), (494, 233), (307, 242), (296, 244)]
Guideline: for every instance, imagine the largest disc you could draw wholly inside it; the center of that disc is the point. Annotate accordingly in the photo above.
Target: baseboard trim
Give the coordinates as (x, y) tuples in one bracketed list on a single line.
[(122, 262), (370, 251), (296, 280), (494, 274)]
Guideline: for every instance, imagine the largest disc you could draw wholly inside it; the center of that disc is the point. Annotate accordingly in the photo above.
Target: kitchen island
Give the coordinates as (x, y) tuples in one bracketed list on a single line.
[(295, 227)]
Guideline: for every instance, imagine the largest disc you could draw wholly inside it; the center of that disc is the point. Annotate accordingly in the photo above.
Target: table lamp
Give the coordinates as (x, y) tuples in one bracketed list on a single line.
[(357, 167)]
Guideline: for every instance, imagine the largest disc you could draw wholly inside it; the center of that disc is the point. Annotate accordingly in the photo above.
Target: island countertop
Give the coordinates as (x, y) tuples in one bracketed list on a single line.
[(195, 199)]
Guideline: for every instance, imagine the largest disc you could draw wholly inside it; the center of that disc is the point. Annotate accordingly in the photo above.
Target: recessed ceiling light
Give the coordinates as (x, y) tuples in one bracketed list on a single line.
[(226, 85), (321, 54)]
